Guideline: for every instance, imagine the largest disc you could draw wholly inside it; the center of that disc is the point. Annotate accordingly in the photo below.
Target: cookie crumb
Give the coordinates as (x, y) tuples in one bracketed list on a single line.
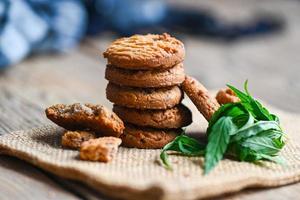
[(101, 149), (226, 96), (73, 139)]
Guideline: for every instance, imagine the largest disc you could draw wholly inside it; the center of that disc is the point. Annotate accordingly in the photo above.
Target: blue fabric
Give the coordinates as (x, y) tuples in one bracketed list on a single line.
[(28, 26), (34, 26)]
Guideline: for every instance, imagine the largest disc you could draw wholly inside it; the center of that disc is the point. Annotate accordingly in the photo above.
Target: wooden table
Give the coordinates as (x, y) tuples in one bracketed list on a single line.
[(269, 62)]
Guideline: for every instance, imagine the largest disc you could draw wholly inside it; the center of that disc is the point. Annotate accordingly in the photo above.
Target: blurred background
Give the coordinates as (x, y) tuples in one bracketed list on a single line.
[(51, 50)]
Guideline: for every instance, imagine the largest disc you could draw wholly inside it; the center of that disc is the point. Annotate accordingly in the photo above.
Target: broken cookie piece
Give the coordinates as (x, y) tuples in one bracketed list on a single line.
[(90, 117), (73, 139), (226, 96), (101, 149)]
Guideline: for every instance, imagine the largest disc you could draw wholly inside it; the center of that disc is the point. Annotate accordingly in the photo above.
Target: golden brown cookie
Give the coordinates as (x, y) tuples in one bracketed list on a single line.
[(101, 149), (146, 78), (199, 95), (73, 139), (226, 96), (145, 52), (176, 117), (146, 98), (86, 117), (147, 138)]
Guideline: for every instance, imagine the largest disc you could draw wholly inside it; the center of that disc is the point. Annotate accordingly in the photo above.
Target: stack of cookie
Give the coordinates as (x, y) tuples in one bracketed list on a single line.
[(144, 74)]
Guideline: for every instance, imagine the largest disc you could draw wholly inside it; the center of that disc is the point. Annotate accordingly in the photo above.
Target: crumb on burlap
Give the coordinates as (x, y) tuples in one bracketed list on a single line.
[(73, 139), (101, 149)]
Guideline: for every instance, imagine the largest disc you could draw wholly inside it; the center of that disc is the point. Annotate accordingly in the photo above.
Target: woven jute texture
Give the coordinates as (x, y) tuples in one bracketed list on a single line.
[(137, 174)]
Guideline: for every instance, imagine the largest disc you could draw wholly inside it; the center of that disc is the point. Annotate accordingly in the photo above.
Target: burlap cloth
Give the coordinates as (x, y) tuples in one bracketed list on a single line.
[(137, 174)]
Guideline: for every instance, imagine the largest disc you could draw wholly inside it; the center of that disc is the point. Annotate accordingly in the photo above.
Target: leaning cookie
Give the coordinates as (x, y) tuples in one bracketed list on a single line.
[(146, 78), (86, 117), (146, 98), (199, 95), (147, 138), (145, 52), (172, 118)]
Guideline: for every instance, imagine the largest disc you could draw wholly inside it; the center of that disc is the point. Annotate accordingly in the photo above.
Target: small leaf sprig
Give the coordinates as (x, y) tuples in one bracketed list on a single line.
[(245, 130)]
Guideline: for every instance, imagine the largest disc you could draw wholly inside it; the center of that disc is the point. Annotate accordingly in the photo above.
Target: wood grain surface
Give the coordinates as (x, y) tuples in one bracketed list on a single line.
[(271, 63)]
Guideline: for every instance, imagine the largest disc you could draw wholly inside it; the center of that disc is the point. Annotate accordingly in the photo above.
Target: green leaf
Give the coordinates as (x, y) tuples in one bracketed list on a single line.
[(253, 106), (246, 87), (241, 95), (182, 144), (244, 120), (261, 145), (246, 154), (254, 129), (218, 140), (190, 146), (165, 159), (259, 111), (221, 112), (275, 159)]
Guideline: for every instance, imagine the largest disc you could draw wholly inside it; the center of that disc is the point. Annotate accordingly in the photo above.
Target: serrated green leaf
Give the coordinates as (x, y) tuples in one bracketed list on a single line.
[(254, 129), (261, 145), (218, 140), (182, 144)]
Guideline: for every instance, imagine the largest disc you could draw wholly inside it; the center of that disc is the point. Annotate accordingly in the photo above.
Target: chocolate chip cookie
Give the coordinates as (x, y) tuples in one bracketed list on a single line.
[(146, 78), (176, 117), (86, 117), (146, 98), (145, 52), (147, 138)]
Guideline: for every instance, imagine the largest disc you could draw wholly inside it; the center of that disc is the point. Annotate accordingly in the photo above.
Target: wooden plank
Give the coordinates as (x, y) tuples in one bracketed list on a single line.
[(19, 180)]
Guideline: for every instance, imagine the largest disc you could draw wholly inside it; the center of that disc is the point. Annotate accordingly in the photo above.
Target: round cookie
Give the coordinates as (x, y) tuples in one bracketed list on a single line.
[(176, 117), (146, 98), (145, 52), (147, 138), (146, 78)]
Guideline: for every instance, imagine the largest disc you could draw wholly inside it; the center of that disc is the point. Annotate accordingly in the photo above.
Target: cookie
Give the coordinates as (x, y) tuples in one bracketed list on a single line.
[(73, 139), (200, 96), (144, 98), (176, 117), (86, 117), (101, 149), (147, 138), (145, 52), (146, 78), (226, 96)]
